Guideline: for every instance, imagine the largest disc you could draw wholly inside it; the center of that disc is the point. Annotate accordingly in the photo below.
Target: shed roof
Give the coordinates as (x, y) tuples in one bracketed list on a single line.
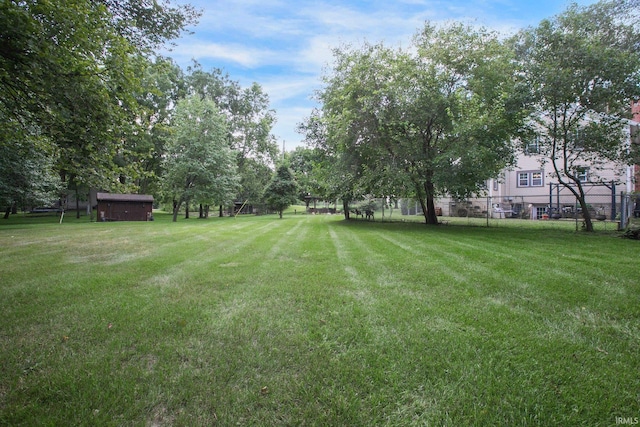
[(113, 197)]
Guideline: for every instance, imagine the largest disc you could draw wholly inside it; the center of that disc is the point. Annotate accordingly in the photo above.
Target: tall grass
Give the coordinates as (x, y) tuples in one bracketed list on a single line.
[(312, 320)]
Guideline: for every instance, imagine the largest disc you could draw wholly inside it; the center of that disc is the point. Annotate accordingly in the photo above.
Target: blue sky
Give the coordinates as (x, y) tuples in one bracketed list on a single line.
[(285, 45)]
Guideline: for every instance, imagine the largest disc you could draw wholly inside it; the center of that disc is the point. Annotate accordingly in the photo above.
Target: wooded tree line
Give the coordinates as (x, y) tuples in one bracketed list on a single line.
[(86, 102), (448, 113)]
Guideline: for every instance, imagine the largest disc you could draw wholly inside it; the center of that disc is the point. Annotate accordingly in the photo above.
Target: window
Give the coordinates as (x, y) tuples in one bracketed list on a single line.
[(533, 146), (530, 179), (536, 179), (578, 138), (583, 174), (523, 179)]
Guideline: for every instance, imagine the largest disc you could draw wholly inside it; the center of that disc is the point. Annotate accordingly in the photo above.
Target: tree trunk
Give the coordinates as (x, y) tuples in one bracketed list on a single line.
[(587, 225), (423, 205), (206, 211), (201, 213), (176, 208), (345, 208), (7, 212), (89, 207), (220, 214), (432, 218), (77, 203), (428, 205), (186, 210)]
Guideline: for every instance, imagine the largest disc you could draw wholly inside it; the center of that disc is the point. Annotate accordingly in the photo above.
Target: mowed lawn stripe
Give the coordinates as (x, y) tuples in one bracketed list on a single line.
[(315, 320), (530, 289)]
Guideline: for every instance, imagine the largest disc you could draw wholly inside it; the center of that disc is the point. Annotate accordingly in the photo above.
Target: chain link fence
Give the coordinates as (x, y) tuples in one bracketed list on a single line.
[(609, 210)]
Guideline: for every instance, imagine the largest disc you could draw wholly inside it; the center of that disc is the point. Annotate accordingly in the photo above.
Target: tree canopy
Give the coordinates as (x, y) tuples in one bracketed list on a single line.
[(200, 166), (421, 124), (250, 124), (583, 71), (85, 102), (282, 190), (69, 72)]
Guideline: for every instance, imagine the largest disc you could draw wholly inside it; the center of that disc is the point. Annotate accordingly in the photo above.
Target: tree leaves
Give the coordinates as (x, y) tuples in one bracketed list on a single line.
[(422, 124), (582, 69), (200, 166), (282, 191), (69, 71)]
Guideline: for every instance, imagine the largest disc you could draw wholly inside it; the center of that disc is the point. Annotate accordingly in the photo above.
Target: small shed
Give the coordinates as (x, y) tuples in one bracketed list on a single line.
[(124, 207), (242, 208)]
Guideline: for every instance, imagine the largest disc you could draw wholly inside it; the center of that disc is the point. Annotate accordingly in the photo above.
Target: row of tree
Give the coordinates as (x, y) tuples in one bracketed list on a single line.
[(86, 102), (219, 148), (71, 76), (448, 113)]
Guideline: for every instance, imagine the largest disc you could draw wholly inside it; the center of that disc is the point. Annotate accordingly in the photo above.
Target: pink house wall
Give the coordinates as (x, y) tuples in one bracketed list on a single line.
[(635, 111)]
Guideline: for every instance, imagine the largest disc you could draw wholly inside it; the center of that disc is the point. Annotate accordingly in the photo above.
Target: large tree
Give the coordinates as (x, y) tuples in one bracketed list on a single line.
[(163, 84), (28, 175), (68, 74), (200, 166), (437, 119), (338, 171), (250, 121), (282, 190), (254, 177), (583, 69)]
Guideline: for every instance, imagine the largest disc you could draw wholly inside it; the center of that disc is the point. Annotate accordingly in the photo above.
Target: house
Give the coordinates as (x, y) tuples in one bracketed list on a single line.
[(530, 189), (124, 207), (635, 135)]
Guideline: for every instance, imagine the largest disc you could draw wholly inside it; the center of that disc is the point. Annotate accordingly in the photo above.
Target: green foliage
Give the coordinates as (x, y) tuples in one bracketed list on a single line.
[(582, 70), (337, 170), (250, 123), (69, 72), (419, 124), (149, 24), (254, 177), (28, 175), (306, 163), (282, 191), (162, 84), (200, 166)]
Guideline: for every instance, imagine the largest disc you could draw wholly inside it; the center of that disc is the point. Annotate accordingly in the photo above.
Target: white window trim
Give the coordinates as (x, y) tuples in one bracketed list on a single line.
[(529, 179), (583, 175), (533, 146)]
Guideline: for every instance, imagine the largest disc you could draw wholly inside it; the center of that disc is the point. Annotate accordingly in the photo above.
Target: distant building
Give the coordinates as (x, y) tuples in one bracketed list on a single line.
[(635, 139), (530, 189)]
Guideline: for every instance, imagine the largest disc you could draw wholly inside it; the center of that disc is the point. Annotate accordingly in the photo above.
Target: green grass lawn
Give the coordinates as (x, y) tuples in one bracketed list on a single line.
[(312, 320)]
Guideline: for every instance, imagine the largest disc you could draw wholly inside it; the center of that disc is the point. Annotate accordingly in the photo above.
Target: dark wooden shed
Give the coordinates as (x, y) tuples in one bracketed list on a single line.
[(124, 207)]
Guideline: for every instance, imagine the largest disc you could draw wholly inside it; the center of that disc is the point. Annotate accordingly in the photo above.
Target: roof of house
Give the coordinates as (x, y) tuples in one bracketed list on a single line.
[(112, 197)]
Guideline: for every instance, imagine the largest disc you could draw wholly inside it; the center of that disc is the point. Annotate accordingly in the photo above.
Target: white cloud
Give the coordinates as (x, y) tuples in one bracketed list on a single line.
[(287, 87), (285, 45), (288, 120), (242, 55)]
